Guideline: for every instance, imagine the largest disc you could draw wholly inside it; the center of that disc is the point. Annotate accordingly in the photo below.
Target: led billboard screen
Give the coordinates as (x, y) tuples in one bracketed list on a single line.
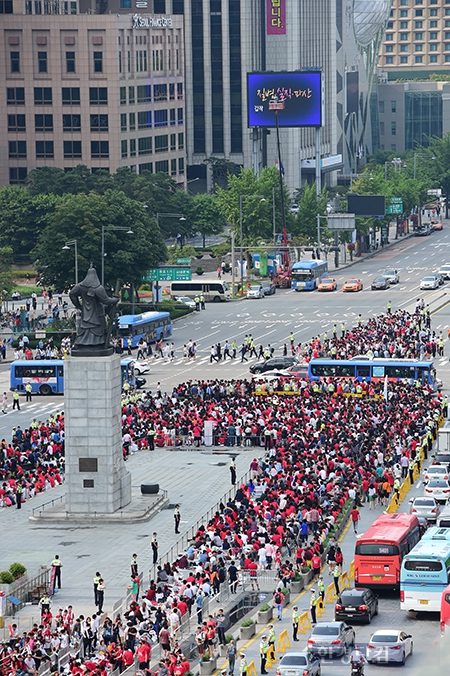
[(298, 97), (366, 205)]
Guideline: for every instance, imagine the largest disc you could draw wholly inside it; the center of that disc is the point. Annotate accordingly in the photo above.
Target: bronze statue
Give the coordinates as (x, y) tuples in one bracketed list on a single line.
[(90, 298)]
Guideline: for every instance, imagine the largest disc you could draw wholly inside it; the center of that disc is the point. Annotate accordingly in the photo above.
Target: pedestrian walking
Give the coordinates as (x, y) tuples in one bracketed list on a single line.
[(100, 595), (28, 389), (155, 547), (295, 622), (278, 598), (16, 401), (177, 518), (355, 518), (243, 351), (233, 472), (4, 402), (312, 606), (57, 565), (231, 655)]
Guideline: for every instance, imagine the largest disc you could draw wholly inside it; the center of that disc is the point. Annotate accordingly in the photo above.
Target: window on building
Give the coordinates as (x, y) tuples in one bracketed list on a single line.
[(404, 24), (447, 35), (433, 58), (17, 150), (17, 175), (99, 123), (132, 147), (160, 118), (125, 4), (145, 145), (160, 92), (42, 62), (404, 48), (162, 166), (418, 59), (393, 106), (181, 165), (144, 93), (145, 119), (433, 35), (180, 91), (403, 59), (124, 148), (404, 36), (43, 123), (433, 24), (14, 62), (447, 11), (389, 48), (418, 36), (433, 48), (99, 149), (173, 120), (16, 123), (180, 116), (131, 98), (381, 106), (132, 119), (418, 12), (389, 59), (173, 142), (173, 167), (71, 123), (418, 48), (447, 58), (98, 96), (119, 55), (98, 62), (70, 62), (123, 96), (404, 2), (181, 141), (390, 25), (393, 128), (389, 37), (72, 149), (141, 60), (162, 143), (433, 12), (172, 91), (418, 24), (447, 46), (43, 96), (381, 128), (146, 166), (403, 12), (15, 96), (123, 122), (447, 23), (71, 96), (44, 149), (6, 7)]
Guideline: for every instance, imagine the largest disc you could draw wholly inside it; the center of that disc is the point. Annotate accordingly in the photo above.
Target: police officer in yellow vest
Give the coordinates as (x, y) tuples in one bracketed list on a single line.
[(321, 588), (271, 638), (19, 491), (263, 649), (312, 606), (45, 604), (57, 565), (202, 301), (96, 580), (16, 402), (295, 621), (28, 389), (243, 666)]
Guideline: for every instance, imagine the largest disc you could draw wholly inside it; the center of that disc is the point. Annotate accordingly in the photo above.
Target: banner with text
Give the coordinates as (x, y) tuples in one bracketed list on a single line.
[(276, 17)]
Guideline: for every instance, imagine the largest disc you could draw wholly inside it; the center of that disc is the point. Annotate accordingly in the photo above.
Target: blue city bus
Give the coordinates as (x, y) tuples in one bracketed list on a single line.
[(363, 368), (424, 575), (150, 326), (306, 275), (46, 376)]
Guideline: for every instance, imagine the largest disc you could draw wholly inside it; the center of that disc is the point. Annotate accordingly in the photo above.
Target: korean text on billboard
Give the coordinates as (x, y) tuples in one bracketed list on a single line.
[(276, 17), (297, 97)]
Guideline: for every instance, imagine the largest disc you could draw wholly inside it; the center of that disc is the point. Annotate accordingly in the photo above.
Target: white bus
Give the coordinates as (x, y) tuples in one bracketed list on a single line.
[(212, 289)]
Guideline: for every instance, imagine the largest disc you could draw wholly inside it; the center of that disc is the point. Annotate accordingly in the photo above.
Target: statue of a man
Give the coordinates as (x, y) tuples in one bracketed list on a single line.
[(90, 298)]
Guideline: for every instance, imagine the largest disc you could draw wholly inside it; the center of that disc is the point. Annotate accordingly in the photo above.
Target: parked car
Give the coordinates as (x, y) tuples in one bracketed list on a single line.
[(392, 275), (141, 367), (430, 282), (273, 364), (268, 288), (327, 284), (186, 301), (356, 604), (299, 664), (438, 489), (380, 283), (255, 291), (426, 507), (331, 638), (389, 645), (352, 285), (444, 270), (436, 472)]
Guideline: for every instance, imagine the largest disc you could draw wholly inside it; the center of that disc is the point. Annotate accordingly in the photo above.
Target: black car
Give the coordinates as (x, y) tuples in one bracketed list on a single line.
[(423, 229), (140, 382), (273, 364), (268, 288), (356, 604), (380, 283)]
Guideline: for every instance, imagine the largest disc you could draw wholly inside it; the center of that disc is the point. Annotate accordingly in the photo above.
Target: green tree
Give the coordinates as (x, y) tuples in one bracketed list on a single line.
[(207, 217), (81, 217), (6, 276), (439, 164), (308, 208)]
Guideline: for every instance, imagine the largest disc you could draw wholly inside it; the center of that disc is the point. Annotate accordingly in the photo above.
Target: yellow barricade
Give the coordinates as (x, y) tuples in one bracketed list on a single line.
[(330, 594), (344, 582), (320, 608), (305, 621), (351, 571), (251, 669), (270, 658), (283, 642)]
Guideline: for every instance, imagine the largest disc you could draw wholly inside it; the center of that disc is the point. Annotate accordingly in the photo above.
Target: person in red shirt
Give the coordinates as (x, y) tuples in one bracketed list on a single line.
[(144, 653), (316, 563)]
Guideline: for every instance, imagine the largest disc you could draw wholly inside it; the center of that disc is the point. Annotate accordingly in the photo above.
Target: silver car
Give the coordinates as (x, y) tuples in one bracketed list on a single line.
[(392, 275), (426, 507), (389, 645), (331, 638), (301, 663), (430, 282)]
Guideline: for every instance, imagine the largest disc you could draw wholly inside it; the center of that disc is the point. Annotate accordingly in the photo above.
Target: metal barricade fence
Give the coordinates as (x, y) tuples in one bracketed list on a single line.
[(27, 591)]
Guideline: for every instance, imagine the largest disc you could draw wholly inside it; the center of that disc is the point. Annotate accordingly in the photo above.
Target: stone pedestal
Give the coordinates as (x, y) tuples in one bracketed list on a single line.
[(97, 481)]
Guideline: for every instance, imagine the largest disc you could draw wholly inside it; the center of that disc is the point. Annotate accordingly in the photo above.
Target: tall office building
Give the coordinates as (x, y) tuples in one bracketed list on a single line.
[(417, 40), (104, 88)]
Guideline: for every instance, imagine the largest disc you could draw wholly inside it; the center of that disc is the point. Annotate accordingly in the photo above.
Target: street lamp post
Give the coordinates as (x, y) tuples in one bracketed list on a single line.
[(110, 227), (179, 216), (241, 197), (66, 247)]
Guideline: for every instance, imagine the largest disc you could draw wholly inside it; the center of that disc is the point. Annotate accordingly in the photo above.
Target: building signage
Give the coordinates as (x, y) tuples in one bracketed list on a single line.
[(151, 21), (276, 17), (300, 92)]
